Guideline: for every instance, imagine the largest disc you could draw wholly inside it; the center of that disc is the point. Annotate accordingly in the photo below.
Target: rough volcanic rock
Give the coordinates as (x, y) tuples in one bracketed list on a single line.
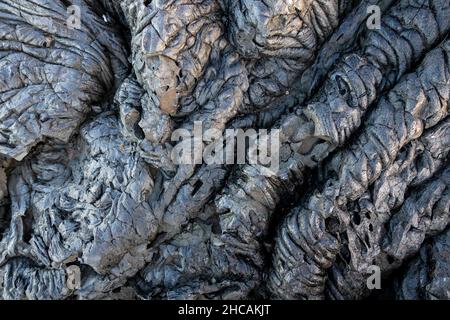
[(96, 95)]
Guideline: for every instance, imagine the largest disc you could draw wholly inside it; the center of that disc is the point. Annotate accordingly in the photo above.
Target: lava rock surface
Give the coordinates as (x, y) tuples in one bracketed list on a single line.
[(88, 181)]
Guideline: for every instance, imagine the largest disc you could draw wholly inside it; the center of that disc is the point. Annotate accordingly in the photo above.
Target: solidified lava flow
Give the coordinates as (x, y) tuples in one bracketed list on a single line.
[(96, 95)]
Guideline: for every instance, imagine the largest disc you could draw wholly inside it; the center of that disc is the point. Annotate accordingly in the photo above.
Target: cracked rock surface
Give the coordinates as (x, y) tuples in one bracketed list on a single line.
[(89, 187)]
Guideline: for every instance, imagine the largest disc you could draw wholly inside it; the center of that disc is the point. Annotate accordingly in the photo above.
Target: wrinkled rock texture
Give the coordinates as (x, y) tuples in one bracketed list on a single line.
[(86, 174)]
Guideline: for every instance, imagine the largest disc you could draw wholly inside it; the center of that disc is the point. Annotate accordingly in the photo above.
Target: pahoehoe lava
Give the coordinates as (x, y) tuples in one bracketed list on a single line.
[(88, 181)]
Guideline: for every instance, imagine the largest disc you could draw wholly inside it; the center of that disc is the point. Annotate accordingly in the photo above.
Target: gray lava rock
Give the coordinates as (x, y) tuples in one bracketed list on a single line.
[(93, 204)]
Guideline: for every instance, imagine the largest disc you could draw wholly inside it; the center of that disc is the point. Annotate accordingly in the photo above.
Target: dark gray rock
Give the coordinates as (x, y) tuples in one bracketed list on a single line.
[(89, 188), (427, 276)]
